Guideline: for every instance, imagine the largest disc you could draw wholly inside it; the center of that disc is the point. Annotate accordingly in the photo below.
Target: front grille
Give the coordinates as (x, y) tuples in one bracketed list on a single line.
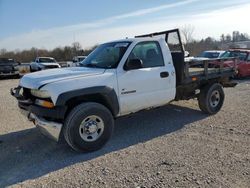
[(6, 69)]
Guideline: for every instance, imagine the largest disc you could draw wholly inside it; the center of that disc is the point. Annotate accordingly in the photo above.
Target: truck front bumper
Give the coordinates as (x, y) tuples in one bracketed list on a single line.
[(50, 129), (12, 73), (46, 119)]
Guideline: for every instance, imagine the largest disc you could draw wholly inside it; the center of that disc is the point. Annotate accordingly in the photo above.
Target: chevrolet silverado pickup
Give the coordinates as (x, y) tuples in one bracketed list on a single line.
[(118, 78), (42, 63)]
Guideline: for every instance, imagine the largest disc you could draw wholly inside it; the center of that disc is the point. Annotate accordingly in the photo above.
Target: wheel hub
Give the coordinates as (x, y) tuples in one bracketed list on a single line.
[(215, 98), (91, 128)]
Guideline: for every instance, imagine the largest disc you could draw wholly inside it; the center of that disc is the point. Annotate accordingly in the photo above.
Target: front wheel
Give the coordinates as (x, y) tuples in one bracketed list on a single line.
[(31, 69), (88, 127), (211, 98)]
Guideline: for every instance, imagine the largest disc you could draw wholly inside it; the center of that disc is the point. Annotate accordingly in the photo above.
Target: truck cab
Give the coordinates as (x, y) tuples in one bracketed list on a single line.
[(118, 78)]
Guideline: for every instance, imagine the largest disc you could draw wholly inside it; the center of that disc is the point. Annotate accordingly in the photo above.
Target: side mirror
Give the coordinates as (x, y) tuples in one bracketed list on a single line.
[(19, 63), (133, 64)]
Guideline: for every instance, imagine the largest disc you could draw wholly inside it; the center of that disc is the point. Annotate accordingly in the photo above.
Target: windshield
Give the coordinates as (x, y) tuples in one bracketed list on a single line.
[(106, 55), (209, 54), (46, 60), (236, 54)]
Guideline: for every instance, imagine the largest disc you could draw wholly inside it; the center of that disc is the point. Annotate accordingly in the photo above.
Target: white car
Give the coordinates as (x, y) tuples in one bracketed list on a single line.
[(117, 78), (42, 63)]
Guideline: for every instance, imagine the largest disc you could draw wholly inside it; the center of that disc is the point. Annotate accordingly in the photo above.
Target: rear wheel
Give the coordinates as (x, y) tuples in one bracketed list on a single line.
[(211, 98), (88, 127)]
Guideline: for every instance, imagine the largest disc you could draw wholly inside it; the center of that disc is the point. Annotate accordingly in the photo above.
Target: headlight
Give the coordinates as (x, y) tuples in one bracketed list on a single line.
[(40, 93)]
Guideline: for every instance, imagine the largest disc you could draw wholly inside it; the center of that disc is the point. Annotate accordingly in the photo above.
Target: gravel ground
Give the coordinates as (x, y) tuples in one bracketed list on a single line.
[(172, 146)]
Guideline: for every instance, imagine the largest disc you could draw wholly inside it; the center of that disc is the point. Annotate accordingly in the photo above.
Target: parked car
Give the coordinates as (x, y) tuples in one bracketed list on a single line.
[(243, 63), (206, 55), (211, 54), (118, 78), (76, 60), (42, 63), (9, 67)]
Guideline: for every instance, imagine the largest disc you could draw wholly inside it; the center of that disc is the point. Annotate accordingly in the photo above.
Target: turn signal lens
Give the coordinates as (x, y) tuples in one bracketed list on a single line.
[(45, 104), (194, 78)]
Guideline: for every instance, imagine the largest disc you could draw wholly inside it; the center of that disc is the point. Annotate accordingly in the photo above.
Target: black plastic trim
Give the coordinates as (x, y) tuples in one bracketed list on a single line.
[(57, 112), (109, 95)]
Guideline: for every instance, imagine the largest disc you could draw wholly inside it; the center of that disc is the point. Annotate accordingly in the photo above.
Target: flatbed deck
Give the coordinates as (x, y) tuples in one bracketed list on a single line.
[(196, 71)]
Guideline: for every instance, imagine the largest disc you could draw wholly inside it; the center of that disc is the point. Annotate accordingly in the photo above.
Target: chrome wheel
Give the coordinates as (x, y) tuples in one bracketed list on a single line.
[(215, 98), (91, 128)]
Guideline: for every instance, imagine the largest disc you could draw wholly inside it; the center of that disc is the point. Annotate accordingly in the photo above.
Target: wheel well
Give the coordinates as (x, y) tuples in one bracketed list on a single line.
[(98, 98), (188, 91)]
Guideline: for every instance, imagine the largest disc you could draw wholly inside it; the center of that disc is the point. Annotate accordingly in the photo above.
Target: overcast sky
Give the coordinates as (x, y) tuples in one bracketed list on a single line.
[(52, 23)]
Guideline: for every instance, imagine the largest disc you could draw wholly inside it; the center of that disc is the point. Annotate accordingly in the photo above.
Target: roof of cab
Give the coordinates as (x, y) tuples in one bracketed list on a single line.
[(240, 50), (46, 57), (138, 39), (216, 51)]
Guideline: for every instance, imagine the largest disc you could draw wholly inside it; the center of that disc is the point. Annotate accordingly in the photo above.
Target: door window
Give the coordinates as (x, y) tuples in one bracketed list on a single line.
[(150, 54), (248, 58)]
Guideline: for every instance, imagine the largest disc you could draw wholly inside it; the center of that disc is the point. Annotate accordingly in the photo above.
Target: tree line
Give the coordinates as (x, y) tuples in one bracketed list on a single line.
[(66, 53), (195, 47)]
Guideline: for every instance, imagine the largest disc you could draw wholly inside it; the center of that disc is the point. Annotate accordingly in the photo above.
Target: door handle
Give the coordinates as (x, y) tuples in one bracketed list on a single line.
[(164, 74)]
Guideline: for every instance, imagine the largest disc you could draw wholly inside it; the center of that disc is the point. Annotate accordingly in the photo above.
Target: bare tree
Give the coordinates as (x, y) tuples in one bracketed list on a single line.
[(228, 38), (187, 32), (3, 51), (76, 47)]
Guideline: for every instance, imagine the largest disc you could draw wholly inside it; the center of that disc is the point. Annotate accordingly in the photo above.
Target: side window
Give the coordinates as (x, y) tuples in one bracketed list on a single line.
[(248, 58), (150, 54)]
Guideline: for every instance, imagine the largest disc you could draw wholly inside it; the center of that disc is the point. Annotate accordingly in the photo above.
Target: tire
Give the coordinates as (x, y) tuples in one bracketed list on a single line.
[(88, 127), (211, 98), (31, 70)]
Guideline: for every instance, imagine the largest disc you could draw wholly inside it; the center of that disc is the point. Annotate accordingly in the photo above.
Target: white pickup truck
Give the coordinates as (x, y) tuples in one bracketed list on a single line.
[(116, 79), (42, 63)]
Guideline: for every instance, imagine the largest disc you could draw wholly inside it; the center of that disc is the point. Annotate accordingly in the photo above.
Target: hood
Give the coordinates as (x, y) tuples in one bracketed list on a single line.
[(48, 64), (200, 58), (41, 78), (188, 59)]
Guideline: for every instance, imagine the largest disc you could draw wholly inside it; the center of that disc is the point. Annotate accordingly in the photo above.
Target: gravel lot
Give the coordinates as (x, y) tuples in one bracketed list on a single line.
[(172, 146)]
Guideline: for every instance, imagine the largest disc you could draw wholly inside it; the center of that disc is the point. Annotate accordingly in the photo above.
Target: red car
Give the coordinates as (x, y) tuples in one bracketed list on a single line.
[(243, 62)]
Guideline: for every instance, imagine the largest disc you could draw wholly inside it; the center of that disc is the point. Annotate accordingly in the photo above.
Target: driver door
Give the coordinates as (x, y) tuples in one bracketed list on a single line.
[(149, 86)]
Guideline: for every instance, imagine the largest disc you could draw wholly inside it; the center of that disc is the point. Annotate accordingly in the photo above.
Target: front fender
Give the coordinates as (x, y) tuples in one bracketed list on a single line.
[(107, 93)]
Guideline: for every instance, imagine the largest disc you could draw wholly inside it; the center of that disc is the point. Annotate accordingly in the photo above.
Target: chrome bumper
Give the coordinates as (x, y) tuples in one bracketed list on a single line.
[(9, 73), (49, 128)]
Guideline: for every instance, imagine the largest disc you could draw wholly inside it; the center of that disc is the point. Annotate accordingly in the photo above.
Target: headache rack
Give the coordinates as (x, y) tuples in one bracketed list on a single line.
[(192, 71)]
